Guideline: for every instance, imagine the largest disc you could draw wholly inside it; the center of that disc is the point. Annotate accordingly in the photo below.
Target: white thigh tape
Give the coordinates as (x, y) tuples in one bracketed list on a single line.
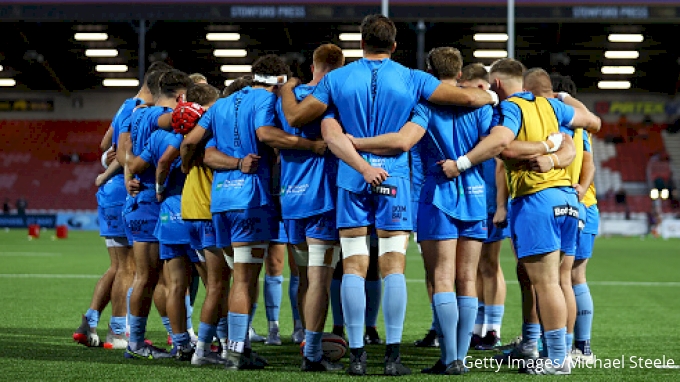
[(393, 244), (229, 260), (321, 255), (301, 257), (201, 255), (250, 254), (113, 242), (354, 246)]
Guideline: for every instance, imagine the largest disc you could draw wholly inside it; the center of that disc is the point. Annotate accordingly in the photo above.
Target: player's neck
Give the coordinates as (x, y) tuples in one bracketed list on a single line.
[(512, 90), (166, 102), (450, 81), (316, 78), (376, 56)]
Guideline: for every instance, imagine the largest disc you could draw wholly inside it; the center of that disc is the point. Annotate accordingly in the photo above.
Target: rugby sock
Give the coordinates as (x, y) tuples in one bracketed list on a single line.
[(272, 298), (436, 325), (493, 318), (569, 341), (313, 346), (127, 304), (556, 345), (446, 309), (293, 286), (222, 329), (543, 349), (479, 321), (137, 329), (531, 333), (190, 312), (166, 324), (117, 325), (467, 311), (373, 290), (206, 332), (394, 307), (354, 308), (336, 303), (92, 317), (238, 331), (584, 315), (181, 339)]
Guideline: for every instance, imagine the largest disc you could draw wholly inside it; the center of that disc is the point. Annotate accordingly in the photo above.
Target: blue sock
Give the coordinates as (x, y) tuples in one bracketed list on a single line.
[(531, 332), (222, 328), (293, 286), (238, 330), (434, 319), (127, 302), (117, 325), (181, 339), (272, 296), (569, 340), (190, 311), (446, 309), (584, 312), (92, 317), (137, 329), (467, 311), (556, 345), (479, 320), (206, 332), (313, 350), (373, 291), (166, 324), (440, 336), (493, 318), (336, 303), (354, 308), (394, 307), (543, 349)]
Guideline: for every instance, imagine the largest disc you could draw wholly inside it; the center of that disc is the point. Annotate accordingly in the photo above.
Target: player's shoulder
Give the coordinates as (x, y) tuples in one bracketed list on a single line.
[(302, 91)]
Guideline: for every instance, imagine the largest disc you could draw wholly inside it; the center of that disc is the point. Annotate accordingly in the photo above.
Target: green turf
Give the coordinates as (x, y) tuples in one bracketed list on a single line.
[(39, 313)]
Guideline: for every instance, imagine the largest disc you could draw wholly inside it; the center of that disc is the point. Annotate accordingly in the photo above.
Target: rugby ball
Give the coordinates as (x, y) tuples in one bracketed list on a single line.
[(333, 346)]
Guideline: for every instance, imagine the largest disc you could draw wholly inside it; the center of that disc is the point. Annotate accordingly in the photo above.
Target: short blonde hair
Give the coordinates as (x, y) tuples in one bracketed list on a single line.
[(198, 78)]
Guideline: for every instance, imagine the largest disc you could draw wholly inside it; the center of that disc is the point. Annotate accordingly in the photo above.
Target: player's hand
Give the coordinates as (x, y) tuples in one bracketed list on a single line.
[(554, 142), (249, 163), (375, 175), (319, 147), (133, 186), (540, 164), (292, 82), (449, 167), (99, 180), (110, 156), (500, 218), (581, 192)]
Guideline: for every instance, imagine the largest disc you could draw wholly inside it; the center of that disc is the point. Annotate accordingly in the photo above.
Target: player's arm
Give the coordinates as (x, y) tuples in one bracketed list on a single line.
[(276, 138), (343, 148), (218, 160), (523, 150), (446, 94), (587, 174), (299, 113), (562, 158), (190, 144), (165, 121), (500, 218), (489, 147), (582, 116), (113, 169), (137, 166), (107, 140), (164, 164), (391, 143)]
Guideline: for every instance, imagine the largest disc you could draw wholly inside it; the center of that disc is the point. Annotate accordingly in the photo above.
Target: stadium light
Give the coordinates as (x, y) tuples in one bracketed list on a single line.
[(622, 54), (111, 68), (490, 37), (236, 68), (230, 53), (620, 85), (665, 194), (222, 36), (353, 53), (91, 36), (101, 53), (654, 194), (618, 70), (486, 53), (1, 68), (7, 82), (228, 82), (626, 38), (120, 82), (350, 36)]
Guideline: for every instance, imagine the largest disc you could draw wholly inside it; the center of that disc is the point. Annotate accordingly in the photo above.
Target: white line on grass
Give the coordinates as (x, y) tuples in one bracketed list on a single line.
[(31, 254), (600, 283)]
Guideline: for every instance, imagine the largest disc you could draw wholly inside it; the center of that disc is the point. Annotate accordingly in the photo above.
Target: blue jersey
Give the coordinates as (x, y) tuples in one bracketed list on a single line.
[(490, 187), (508, 114), (374, 97), (144, 123), (417, 173), (307, 179), (158, 143), (233, 122), (451, 133), (113, 193)]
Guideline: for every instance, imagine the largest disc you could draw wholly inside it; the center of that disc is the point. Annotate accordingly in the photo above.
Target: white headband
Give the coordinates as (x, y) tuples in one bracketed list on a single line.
[(270, 80)]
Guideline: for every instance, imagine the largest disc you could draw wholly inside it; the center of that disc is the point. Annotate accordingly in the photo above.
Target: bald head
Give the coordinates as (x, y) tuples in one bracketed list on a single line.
[(537, 81)]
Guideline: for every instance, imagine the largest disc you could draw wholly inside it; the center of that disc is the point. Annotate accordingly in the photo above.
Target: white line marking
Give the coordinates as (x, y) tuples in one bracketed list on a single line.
[(599, 283), (34, 254)]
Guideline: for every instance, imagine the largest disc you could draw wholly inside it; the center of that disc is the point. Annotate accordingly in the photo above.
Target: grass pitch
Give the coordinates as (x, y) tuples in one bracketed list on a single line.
[(46, 285)]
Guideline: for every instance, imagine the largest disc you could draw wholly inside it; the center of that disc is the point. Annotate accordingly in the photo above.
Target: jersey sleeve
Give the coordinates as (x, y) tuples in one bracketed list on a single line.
[(147, 154), (509, 115), (265, 112), (211, 143), (485, 114), (206, 120), (323, 90), (421, 115), (175, 140), (563, 112), (425, 83)]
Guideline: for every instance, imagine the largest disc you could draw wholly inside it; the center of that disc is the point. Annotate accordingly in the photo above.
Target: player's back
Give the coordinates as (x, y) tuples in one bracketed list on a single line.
[(159, 142), (144, 122)]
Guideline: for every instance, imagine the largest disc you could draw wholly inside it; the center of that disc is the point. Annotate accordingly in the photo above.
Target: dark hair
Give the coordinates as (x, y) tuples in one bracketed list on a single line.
[(473, 72), (271, 65), (328, 57), (172, 81), (444, 62), (237, 85), (378, 34), (151, 81), (562, 83), (157, 66), (509, 67), (202, 94)]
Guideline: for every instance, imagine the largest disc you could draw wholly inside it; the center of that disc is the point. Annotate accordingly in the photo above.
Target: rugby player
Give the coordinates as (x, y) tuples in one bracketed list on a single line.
[(372, 96)]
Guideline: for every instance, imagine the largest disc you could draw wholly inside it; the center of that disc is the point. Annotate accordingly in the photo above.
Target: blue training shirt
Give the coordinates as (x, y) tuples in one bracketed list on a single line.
[(511, 114), (417, 173), (452, 132), (307, 179), (233, 122), (374, 97), (158, 143), (113, 193)]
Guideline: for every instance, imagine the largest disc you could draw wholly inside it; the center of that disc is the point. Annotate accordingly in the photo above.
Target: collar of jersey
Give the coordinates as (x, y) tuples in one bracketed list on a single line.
[(524, 95)]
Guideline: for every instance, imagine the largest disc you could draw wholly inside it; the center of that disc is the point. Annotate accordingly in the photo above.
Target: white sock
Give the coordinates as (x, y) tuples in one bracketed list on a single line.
[(479, 330), (496, 327), (273, 326), (202, 348), (298, 324), (191, 332), (225, 343), (237, 347)]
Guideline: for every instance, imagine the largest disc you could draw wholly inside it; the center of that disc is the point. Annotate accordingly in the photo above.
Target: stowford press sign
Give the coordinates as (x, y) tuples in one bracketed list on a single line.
[(636, 107)]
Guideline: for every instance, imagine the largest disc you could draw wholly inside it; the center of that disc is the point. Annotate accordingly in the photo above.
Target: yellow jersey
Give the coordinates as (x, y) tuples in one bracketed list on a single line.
[(196, 194)]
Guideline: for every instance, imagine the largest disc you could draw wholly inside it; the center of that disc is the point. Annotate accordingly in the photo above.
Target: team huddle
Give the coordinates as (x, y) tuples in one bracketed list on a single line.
[(340, 171)]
